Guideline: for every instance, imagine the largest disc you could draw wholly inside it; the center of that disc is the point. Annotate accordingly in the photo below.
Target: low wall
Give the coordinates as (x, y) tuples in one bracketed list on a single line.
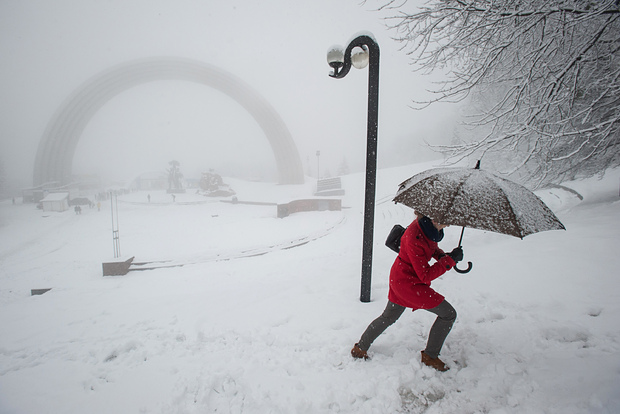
[(312, 204), (119, 268)]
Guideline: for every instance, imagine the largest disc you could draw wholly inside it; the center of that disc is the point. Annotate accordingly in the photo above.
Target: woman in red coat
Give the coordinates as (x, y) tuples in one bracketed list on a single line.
[(410, 287)]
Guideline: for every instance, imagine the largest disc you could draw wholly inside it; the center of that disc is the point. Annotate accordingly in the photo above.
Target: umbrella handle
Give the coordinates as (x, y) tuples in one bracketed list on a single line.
[(469, 266)]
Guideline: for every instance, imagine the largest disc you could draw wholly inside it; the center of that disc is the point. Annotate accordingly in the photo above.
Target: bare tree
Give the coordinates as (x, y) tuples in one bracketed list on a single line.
[(544, 74)]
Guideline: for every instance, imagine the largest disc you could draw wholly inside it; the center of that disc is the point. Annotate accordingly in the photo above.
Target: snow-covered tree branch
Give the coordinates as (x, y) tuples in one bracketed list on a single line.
[(544, 76)]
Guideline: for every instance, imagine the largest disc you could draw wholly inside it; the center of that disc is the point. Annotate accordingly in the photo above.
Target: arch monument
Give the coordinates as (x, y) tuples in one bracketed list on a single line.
[(57, 147)]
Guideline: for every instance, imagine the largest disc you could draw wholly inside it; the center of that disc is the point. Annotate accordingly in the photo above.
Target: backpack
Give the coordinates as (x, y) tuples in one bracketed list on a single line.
[(393, 239)]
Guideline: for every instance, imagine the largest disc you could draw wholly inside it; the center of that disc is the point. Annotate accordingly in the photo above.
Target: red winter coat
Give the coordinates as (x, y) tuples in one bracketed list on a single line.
[(411, 273)]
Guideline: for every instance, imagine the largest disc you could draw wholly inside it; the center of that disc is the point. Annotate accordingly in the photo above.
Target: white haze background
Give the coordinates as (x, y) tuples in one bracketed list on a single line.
[(278, 47)]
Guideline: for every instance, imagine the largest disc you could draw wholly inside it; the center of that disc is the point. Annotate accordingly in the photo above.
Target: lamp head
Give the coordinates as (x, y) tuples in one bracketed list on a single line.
[(335, 57), (360, 57)]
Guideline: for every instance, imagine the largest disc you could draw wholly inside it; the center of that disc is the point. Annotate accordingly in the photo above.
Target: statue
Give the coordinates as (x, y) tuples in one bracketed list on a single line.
[(175, 184)]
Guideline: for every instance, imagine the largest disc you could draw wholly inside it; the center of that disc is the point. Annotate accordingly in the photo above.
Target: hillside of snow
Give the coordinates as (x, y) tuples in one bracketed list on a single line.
[(250, 313)]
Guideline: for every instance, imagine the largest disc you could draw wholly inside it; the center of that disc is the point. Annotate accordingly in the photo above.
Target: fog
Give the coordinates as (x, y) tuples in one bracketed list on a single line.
[(278, 47)]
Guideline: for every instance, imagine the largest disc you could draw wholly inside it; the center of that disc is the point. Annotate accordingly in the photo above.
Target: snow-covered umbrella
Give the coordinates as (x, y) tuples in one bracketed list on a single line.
[(471, 197)]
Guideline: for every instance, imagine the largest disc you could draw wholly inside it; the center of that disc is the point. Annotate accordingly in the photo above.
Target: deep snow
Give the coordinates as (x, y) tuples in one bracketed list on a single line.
[(263, 313)]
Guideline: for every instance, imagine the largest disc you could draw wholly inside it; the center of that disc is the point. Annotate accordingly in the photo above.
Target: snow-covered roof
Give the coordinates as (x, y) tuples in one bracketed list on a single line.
[(151, 175), (56, 197)]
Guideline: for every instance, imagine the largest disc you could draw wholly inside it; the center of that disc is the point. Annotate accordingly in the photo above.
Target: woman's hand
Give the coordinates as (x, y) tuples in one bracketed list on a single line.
[(456, 254)]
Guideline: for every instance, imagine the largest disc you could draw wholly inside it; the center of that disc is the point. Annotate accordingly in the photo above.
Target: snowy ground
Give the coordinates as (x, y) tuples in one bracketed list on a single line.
[(251, 324)]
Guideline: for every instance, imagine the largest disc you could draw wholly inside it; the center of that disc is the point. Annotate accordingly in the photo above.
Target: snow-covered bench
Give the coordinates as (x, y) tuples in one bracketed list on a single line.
[(329, 187)]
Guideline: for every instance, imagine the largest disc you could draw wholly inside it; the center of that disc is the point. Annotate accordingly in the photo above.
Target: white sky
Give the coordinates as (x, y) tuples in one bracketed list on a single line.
[(279, 47)]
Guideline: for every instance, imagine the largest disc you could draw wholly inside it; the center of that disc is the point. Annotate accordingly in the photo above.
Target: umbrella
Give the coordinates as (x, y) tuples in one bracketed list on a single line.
[(471, 197)]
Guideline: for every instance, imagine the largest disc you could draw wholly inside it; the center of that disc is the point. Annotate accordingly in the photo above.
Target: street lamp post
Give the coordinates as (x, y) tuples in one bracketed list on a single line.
[(363, 51)]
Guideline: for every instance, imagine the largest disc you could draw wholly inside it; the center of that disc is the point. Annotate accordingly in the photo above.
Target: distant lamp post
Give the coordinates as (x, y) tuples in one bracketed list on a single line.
[(318, 170), (116, 238), (361, 52)]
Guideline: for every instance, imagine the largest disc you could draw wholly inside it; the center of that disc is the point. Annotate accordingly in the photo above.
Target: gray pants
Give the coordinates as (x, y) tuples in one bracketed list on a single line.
[(446, 315)]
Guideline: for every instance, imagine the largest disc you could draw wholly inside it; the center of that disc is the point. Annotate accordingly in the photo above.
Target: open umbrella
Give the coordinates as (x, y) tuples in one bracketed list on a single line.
[(471, 197)]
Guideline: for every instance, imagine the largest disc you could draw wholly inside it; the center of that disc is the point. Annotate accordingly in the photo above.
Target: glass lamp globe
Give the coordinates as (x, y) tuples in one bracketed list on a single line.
[(335, 56), (359, 57)]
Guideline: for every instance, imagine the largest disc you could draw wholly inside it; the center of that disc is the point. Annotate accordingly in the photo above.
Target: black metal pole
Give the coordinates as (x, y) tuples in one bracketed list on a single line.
[(371, 151)]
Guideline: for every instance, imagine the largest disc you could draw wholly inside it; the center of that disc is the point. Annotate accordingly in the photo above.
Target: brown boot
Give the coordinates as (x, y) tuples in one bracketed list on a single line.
[(358, 353), (434, 362)]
